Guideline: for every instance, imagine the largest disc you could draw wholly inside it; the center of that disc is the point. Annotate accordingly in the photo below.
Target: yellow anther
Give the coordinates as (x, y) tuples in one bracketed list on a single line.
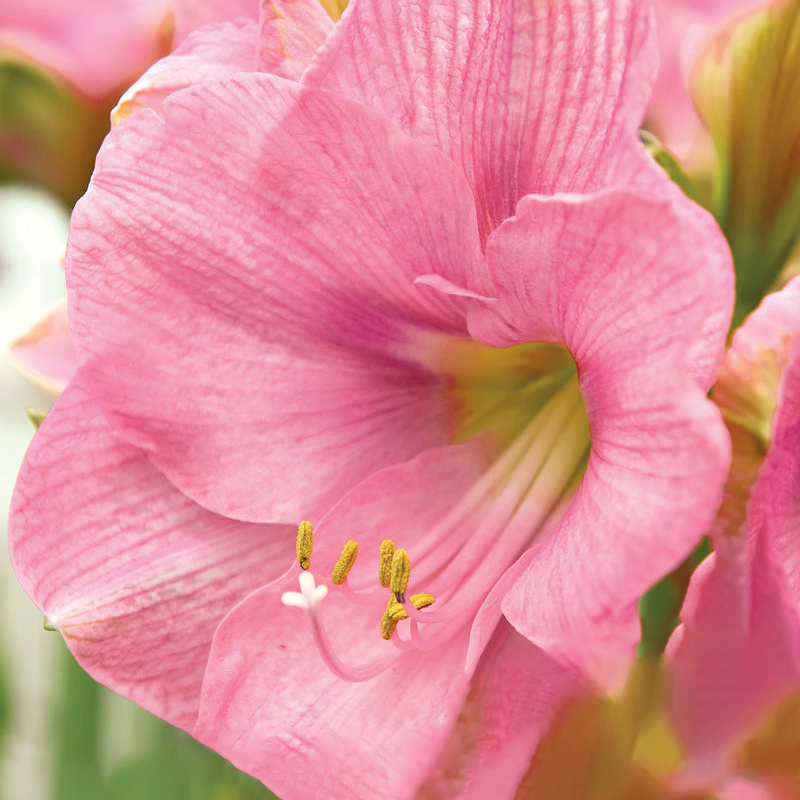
[(305, 544), (393, 614), (395, 610), (345, 562), (385, 566), (396, 613), (388, 626), (422, 600), (401, 571)]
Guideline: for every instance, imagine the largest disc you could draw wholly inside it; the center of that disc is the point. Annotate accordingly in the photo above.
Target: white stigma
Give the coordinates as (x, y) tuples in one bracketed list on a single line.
[(310, 595)]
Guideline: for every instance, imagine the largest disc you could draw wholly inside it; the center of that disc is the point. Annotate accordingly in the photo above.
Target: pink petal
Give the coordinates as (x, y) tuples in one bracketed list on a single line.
[(397, 503), (45, 353), (214, 51), (135, 575), (242, 290), (515, 694), (732, 659), (777, 494), (620, 280), (95, 45), (272, 707), (524, 97), (191, 14), (514, 697), (291, 32), (736, 653), (671, 115)]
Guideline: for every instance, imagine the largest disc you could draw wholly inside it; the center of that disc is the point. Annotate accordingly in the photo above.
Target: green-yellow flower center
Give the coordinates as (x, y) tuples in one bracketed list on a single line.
[(527, 394)]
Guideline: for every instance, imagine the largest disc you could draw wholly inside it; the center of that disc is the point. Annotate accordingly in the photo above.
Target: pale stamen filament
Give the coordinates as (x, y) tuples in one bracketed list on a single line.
[(512, 474), (310, 599), (531, 497), (544, 496)]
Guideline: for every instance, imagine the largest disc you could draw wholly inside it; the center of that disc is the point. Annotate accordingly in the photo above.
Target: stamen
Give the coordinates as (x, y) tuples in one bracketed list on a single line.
[(305, 544), (345, 562), (385, 565), (422, 600), (393, 614), (396, 612), (401, 571)]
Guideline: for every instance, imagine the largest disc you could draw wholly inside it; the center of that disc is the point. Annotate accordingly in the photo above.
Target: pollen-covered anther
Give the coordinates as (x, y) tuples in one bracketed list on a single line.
[(385, 565), (345, 562), (388, 626), (305, 544), (395, 612), (422, 600), (401, 572)]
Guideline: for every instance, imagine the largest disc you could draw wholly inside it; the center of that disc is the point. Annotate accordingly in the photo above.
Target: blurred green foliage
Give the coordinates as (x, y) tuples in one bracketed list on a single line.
[(171, 765)]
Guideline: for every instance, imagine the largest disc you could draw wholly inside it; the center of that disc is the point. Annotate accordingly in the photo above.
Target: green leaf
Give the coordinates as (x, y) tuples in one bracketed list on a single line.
[(667, 161), (660, 606)]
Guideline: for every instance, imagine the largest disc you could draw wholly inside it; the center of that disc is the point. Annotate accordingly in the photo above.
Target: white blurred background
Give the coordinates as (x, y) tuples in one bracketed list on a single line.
[(33, 232)]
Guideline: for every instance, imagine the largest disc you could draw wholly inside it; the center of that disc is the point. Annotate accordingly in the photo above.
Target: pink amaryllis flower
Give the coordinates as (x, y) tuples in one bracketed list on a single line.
[(99, 48), (684, 26), (736, 654), (429, 289), (66, 62)]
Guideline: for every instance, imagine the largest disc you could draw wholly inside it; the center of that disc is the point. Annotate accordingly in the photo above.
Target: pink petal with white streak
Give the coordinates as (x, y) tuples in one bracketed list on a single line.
[(272, 707), (214, 51), (134, 574), (291, 32)]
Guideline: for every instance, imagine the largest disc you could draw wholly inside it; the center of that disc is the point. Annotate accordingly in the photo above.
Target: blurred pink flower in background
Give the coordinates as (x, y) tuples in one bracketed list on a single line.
[(64, 66), (368, 286), (97, 47), (683, 27), (736, 654), (45, 354)]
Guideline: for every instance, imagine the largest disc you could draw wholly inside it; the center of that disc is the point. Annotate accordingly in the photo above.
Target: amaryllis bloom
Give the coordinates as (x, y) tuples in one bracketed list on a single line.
[(99, 47), (94, 46), (736, 654), (684, 26), (65, 63), (749, 103), (429, 294)]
